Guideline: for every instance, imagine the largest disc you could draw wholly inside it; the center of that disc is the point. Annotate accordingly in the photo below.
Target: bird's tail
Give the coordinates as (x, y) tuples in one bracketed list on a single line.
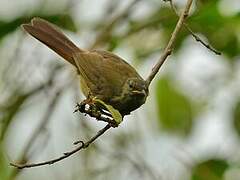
[(49, 34)]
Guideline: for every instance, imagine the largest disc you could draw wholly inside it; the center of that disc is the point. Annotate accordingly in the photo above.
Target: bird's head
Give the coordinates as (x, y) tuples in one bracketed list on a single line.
[(136, 87)]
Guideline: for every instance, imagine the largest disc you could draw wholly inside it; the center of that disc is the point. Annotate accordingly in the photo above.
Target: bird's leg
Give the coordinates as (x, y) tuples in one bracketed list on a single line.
[(94, 110)]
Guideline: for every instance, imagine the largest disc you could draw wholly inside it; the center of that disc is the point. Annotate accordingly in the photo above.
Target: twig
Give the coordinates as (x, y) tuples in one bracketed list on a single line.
[(82, 145), (169, 47), (198, 39)]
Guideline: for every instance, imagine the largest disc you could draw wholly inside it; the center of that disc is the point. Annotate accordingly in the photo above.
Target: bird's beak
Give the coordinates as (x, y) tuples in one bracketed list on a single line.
[(142, 92)]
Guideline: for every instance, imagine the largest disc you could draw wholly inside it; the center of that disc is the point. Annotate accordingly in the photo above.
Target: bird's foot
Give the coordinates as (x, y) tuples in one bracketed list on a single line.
[(92, 108)]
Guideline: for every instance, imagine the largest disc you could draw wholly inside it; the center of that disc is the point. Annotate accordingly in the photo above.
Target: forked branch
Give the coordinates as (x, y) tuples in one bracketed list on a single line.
[(168, 50), (198, 39)]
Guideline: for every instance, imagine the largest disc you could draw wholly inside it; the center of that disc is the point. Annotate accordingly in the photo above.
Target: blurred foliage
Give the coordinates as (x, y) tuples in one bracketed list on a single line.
[(10, 110), (213, 169), (62, 20), (236, 117), (175, 109), (221, 31), (13, 104)]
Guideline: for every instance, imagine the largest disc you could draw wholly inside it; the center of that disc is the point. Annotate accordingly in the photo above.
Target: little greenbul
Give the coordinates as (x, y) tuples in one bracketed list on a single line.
[(103, 75)]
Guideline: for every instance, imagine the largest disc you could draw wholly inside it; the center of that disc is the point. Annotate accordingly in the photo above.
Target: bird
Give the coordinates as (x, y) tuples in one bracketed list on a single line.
[(103, 75)]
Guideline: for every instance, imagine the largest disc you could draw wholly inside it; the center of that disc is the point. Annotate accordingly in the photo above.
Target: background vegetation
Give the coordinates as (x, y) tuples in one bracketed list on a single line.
[(190, 125)]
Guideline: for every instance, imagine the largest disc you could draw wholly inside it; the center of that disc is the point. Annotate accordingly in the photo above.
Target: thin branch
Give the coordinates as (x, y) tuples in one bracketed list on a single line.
[(169, 47), (82, 145), (198, 39)]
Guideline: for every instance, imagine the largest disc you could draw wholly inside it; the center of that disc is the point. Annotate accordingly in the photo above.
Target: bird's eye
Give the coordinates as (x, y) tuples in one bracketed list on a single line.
[(131, 84)]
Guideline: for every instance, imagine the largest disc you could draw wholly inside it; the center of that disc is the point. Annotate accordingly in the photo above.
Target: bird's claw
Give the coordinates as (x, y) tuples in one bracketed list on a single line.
[(94, 110)]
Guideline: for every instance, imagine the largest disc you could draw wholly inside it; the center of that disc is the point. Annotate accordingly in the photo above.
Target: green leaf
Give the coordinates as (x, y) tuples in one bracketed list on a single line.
[(175, 109), (210, 170)]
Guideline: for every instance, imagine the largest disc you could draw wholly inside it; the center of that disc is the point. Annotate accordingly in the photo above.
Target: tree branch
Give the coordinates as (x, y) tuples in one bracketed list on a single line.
[(169, 47), (82, 145), (198, 39)]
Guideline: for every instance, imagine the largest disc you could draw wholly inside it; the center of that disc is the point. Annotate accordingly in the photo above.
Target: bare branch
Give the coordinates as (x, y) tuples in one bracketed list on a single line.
[(169, 47), (198, 39), (82, 145)]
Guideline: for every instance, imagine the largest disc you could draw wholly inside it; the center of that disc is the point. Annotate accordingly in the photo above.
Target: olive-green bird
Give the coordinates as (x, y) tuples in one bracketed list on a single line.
[(103, 75)]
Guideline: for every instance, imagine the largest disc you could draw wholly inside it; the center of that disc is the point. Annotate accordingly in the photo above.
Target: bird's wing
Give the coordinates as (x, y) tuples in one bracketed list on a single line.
[(104, 72)]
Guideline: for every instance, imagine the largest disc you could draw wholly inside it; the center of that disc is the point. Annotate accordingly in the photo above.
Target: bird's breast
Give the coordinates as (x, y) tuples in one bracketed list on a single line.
[(128, 103)]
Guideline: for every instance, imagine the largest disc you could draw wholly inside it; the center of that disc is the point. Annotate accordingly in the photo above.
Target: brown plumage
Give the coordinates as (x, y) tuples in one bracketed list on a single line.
[(103, 74)]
